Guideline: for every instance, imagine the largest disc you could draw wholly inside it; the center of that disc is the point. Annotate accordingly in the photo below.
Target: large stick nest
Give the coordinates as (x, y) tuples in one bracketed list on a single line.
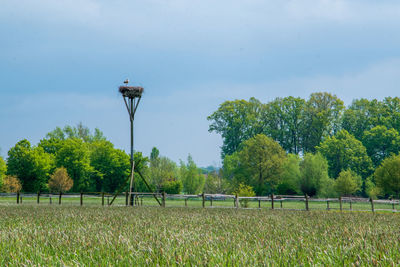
[(131, 91)]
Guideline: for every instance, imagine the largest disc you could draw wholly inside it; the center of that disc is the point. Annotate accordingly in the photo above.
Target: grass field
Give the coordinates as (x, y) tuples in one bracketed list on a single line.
[(53, 235)]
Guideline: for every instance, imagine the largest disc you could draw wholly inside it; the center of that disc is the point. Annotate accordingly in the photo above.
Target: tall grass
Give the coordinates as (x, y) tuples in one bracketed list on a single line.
[(101, 236)]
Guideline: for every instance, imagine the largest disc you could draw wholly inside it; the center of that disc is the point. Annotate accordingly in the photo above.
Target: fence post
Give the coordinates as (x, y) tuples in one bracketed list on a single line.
[(38, 197), (351, 205), (50, 199), (126, 198), (259, 203), (272, 201), (59, 198), (102, 198), (163, 199), (281, 203), (340, 203), (141, 201), (327, 204), (18, 197), (237, 201), (204, 200), (211, 199), (372, 205), (307, 202), (185, 202), (81, 198)]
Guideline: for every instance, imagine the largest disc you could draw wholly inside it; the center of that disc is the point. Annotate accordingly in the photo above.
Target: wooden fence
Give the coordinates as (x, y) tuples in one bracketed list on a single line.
[(208, 200)]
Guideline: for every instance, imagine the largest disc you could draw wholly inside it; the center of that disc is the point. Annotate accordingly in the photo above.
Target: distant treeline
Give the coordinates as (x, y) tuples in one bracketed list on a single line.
[(352, 142)]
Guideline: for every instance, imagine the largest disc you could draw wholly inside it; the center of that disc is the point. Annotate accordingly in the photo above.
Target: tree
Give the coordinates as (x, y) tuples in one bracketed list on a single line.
[(236, 121), (60, 181), (380, 142), (344, 152), (215, 183), (260, 163), (74, 155), (111, 165), (11, 184), (362, 115), (191, 177), (313, 175), (348, 183), (31, 164), (387, 175), (322, 117), (163, 173), (244, 191), (290, 175), (3, 170), (282, 119)]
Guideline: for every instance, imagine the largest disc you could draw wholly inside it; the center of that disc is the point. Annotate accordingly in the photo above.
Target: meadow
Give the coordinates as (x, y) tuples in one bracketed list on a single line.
[(69, 235)]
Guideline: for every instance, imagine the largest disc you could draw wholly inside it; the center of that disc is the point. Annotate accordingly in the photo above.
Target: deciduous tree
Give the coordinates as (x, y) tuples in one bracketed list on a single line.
[(59, 181)]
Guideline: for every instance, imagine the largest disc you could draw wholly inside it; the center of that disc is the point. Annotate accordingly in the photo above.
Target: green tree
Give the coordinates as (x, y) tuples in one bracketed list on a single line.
[(74, 155), (313, 175), (191, 177), (260, 163), (163, 172), (244, 191), (3, 170), (215, 183), (362, 115), (31, 164), (236, 121), (380, 142), (290, 176), (282, 119), (387, 175), (348, 183), (111, 165), (391, 106), (343, 151), (322, 117)]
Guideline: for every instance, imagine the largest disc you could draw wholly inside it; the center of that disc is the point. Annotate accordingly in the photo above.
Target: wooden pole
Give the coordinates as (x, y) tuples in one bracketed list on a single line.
[(50, 199), (108, 200), (391, 199), (102, 198), (259, 203), (272, 201), (126, 198), (211, 199), (163, 199), (327, 205), (307, 209), (340, 203), (372, 205), (59, 198), (38, 197), (203, 200), (185, 202), (281, 203), (17, 197), (237, 201), (351, 205), (81, 198)]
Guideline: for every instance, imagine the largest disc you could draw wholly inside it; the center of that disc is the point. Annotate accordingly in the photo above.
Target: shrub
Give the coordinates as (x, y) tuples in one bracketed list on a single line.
[(245, 191), (348, 183), (11, 184), (60, 181)]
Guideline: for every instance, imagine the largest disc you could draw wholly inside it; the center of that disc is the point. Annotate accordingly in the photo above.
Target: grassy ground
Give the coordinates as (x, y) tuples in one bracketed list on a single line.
[(101, 236)]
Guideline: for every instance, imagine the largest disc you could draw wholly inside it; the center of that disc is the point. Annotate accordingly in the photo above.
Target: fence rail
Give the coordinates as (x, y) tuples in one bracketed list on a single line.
[(208, 201)]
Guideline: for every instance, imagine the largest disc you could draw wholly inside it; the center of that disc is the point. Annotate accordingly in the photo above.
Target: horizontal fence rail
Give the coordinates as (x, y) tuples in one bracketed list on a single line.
[(286, 202)]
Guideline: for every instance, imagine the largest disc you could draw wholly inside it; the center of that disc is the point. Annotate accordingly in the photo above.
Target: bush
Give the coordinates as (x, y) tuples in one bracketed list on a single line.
[(245, 191), (172, 187), (11, 184), (348, 183)]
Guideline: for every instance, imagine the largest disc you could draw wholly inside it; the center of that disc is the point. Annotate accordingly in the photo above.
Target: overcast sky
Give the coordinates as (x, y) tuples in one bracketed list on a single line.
[(62, 61)]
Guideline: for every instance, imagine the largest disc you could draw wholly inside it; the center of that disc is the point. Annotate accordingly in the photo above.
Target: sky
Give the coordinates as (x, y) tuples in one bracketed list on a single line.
[(61, 63)]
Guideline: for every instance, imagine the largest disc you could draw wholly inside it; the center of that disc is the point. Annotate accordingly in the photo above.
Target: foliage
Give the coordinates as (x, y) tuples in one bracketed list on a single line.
[(216, 184), (380, 142), (3, 170), (371, 189), (60, 181), (313, 174), (260, 164), (290, 176), (344, 152), (387, 175), (236, 121), (191, 177), (244, 191), (31, 164), (11, 184), (172, 187), (348, 183), (163, 172), (111, 165)]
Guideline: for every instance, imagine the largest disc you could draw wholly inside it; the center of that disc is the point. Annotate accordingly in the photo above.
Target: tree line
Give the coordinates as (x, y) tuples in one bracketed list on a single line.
[(315, 146)]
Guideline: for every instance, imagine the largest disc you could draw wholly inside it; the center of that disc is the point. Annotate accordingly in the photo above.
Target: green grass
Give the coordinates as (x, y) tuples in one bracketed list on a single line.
[(53, 235)]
